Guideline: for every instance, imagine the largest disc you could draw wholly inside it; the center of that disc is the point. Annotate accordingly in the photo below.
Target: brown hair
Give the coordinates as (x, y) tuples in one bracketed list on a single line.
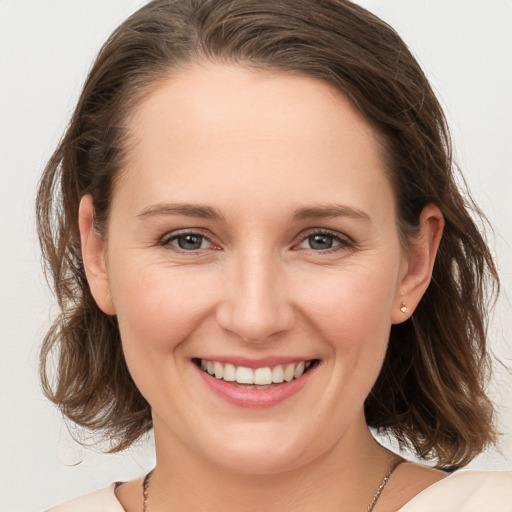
[(430, 393)]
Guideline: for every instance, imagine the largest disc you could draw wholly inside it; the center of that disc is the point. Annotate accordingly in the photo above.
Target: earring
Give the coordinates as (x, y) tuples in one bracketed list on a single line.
[(403, 308)]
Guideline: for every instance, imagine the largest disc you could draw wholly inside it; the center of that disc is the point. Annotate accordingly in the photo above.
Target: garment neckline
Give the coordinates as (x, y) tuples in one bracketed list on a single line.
[(428, 489)]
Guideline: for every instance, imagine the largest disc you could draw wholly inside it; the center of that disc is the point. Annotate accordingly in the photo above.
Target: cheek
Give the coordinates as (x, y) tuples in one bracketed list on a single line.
[(350, 313), (158, 312), (161, 307), (352, 306)]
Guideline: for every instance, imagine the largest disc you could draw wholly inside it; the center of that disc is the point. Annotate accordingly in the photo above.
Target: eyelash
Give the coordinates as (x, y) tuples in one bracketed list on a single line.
[(168, 239), (343, 242)]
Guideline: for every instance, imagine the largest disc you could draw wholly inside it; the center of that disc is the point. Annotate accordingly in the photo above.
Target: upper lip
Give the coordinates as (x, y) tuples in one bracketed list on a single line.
[(254, 363)]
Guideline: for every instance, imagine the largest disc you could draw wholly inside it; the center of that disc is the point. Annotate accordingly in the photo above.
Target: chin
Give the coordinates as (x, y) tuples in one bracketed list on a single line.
[(260, 461), (260, 451)]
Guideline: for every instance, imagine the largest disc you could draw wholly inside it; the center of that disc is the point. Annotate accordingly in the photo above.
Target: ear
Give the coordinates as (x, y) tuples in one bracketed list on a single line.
[(419, 262), (93, 257)]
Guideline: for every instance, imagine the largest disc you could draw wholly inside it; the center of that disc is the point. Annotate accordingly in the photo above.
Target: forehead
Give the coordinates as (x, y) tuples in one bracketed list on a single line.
[(214, 126)]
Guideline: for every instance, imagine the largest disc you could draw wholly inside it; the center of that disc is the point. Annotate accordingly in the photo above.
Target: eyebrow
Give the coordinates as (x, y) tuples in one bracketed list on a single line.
[(330, 211), (207, 212), (188, 210)]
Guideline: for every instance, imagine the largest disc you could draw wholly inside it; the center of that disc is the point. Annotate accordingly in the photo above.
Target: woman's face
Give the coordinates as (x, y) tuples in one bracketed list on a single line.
[(253, 233)]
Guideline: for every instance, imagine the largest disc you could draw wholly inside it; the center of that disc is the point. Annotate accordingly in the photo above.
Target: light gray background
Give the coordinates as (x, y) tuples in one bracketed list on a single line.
[(46, 48)]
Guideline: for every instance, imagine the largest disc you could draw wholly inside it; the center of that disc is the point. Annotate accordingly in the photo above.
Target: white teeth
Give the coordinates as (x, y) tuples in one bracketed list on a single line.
[(265, 376), (244, 375), (278, 374), (229, 372), (288, 372), (219, 370), (299, 370)]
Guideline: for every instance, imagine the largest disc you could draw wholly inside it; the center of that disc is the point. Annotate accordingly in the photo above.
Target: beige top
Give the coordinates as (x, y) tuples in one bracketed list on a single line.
[(462, 491)]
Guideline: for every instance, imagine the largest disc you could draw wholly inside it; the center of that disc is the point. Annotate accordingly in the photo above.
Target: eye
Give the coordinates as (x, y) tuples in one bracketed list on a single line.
[(187, 241), (320, 241)]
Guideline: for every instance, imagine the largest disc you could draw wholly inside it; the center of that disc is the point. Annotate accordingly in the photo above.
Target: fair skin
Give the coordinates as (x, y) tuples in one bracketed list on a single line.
[(254, 225)]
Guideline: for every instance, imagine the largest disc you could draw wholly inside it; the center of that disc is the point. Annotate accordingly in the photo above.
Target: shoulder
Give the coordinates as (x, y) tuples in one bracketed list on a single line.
[(471, 491), (103, 500)]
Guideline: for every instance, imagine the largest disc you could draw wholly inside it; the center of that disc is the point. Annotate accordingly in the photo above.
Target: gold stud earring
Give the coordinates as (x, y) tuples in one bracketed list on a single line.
[(404, 308)]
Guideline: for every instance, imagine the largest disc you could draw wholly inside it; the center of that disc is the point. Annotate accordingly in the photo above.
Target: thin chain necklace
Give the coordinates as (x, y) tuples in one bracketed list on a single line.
[(371, 506), (377, 494)]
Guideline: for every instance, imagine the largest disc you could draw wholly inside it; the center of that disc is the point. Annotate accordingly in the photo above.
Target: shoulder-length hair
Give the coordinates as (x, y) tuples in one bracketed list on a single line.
[(430, 393)]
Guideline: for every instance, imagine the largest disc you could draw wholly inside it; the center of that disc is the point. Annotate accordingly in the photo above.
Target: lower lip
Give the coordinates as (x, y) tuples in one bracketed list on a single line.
[(254, 398)]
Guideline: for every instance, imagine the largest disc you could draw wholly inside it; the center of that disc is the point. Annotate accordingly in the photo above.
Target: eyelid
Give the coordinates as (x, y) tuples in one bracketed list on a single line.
[(172, 235), (345, 242)]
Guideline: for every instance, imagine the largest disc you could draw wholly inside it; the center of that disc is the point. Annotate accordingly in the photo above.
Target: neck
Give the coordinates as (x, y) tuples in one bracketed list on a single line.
[(348, 476)]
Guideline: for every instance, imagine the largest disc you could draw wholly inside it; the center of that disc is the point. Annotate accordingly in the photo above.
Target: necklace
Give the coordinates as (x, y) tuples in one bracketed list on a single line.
[(371, 506), (377, 494)]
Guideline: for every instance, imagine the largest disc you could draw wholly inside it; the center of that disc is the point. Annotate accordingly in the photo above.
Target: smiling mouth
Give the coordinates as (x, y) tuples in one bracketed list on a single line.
[(257, 378)]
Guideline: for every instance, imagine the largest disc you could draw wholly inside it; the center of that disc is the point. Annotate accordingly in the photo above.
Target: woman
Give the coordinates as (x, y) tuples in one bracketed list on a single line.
[(260, 251)]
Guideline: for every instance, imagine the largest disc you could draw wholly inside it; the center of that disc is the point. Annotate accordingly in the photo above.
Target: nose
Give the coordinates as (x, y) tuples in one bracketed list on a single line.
[(255, 305)]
